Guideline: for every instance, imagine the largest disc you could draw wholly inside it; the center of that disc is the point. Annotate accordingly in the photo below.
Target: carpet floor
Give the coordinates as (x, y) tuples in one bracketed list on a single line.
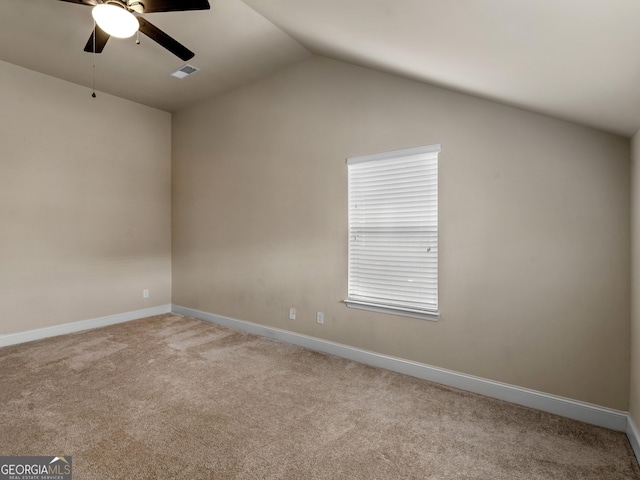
[(173, 397)]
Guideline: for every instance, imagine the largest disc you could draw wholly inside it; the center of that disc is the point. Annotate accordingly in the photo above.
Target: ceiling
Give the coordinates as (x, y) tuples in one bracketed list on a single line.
[(573, 59)]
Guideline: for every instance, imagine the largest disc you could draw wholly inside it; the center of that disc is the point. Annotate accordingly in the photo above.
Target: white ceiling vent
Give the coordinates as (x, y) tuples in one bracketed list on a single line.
[(185, 71)]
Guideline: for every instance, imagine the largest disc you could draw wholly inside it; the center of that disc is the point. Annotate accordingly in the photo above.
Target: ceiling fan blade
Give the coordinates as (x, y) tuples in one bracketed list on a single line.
[(151, 6), (90, 3), (157, 35), (101, 40)]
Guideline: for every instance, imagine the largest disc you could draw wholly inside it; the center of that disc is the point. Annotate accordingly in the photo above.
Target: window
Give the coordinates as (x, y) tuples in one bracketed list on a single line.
[(393, 232)]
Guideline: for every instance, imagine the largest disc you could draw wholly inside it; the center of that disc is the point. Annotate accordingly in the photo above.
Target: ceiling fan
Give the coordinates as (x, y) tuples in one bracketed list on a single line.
[(116, 18)]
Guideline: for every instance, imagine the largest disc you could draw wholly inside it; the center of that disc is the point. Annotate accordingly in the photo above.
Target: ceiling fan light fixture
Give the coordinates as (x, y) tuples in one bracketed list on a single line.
[(115, 21)]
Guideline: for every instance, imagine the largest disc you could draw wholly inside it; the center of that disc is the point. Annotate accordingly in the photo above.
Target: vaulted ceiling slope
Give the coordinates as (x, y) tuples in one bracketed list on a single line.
[(233, 45), (573, 59)]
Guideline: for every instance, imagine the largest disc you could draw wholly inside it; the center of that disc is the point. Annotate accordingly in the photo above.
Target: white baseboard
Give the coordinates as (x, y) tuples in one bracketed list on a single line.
[(53, 331), (634, 436), (585, 412)]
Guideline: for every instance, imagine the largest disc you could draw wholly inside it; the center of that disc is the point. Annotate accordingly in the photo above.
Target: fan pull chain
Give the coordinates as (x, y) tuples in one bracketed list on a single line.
[(93, 71), (137, 37)]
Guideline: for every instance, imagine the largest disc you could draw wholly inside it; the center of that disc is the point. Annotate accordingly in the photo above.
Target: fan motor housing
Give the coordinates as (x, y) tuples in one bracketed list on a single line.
[(132, 5), (136, 6)]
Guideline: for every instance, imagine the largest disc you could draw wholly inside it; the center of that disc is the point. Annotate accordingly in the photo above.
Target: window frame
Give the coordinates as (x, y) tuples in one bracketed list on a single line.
[(429, 153)]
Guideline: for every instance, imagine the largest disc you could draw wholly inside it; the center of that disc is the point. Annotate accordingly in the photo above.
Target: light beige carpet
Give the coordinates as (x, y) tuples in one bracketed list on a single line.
[(170, 397)]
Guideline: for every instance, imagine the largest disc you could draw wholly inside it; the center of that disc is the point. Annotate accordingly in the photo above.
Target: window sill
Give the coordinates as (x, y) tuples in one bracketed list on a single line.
[(403, 312)]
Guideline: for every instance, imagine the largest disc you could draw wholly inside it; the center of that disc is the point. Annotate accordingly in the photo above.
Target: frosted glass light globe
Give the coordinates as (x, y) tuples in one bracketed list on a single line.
[(115, 21)]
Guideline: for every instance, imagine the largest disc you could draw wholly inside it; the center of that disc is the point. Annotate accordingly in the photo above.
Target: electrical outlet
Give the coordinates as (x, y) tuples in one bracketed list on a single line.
[(320, 318), (145, 293), (292, 314)]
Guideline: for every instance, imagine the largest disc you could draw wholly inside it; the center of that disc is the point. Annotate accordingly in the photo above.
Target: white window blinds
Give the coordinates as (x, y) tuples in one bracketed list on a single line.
[(393, 231)]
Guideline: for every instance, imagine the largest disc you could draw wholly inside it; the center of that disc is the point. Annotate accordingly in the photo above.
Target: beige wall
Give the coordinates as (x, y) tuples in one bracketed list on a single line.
[(634, 401), (534, 232), (84, 203)]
